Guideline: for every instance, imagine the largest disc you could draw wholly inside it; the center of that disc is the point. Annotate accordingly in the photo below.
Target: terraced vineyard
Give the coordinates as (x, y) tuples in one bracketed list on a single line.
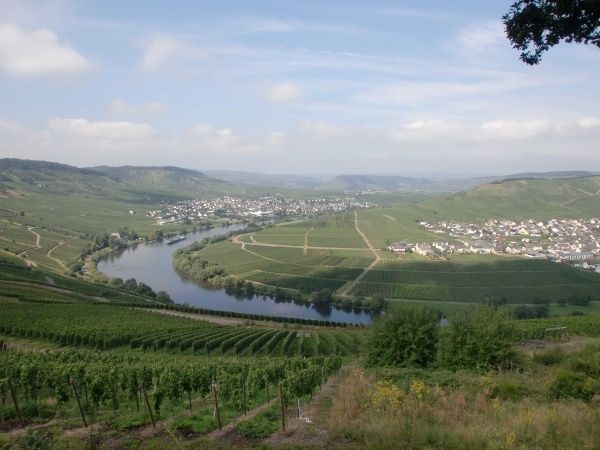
[(282, 266), (286, 256), (471, 279), (106, 327), (109, 386)]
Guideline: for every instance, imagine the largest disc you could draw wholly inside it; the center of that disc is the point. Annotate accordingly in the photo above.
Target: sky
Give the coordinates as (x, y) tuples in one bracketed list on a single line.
[(304, 87)]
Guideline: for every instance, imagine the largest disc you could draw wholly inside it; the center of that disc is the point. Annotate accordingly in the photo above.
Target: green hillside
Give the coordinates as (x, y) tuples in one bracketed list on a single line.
[(520, 198)]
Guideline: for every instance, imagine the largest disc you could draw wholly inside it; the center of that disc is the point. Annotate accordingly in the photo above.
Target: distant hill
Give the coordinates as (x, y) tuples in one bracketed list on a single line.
[(63, 178), (555, 174), (165, 175), (266, 180), (353, 183), (541, 197)]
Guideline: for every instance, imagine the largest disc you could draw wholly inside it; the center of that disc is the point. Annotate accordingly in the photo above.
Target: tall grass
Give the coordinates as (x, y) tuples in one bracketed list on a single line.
[(375, 414)]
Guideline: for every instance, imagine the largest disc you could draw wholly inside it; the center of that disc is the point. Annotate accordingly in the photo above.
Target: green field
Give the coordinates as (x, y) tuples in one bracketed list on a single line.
[(283, 267), (474, 278), (279, 257)]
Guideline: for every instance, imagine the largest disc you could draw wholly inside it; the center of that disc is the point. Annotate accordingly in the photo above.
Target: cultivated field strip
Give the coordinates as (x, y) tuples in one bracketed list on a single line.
[(106, 327)]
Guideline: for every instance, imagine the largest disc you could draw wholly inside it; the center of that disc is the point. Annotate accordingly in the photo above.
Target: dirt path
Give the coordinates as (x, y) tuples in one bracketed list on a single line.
[(29, 262), (587, 194), (37, 237), (305, 250), (56, 260), (347, 288), (68, 292), (308, 430), (214, 319), (262, 244), (230, 427)]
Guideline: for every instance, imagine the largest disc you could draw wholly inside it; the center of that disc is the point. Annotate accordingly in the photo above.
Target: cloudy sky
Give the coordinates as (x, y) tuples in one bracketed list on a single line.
[(291, 87)]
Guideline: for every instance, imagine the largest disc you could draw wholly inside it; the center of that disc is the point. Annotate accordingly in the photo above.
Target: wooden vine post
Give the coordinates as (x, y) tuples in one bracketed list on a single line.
[(244, 397), (217, 413), (15, 402), (78, 402), (282, 403), (148, 405)]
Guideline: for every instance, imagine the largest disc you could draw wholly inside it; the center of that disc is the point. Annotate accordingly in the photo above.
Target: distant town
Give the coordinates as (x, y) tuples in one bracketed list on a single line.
[(556, 239), (266, 207)]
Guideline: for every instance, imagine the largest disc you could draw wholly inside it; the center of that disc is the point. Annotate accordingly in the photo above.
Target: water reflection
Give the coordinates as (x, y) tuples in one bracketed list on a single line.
[(152, 264)]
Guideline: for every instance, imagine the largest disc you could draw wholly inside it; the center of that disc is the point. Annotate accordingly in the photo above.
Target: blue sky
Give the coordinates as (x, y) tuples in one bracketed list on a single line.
[(291, 87)]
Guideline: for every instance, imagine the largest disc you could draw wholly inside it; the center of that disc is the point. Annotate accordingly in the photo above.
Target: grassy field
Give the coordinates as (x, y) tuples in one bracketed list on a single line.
[(392, 408), (385, 225)]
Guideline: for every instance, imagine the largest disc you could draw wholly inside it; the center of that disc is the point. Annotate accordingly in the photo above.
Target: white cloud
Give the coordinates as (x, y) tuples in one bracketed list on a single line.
[(485, 146), (120, 107), (589, 122), (513, 129), (492, 130), (482, 37), (276, 138), (159, 49), (425, 130), (37, 52), (83, 128), (414, 92), (284, 92), (204, 137), (254, 24)]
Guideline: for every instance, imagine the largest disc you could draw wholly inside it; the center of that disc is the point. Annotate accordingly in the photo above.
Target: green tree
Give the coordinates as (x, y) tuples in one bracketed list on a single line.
[(377, 302), (323, 297), (481, 339), (163, 297), (406, 336), (533, 26)]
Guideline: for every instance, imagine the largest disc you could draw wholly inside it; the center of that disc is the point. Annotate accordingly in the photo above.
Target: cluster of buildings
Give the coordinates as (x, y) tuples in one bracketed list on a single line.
[(556, 239), (267, 207)]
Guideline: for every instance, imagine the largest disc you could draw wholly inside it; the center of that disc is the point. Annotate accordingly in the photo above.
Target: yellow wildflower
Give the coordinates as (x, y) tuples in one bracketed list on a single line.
[(511, 438), (417, 388), (386, 395), (527, 417)]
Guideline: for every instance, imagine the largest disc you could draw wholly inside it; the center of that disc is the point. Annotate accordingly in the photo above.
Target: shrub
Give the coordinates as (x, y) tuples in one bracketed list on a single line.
[(406, 336), (508, 390), (550, 357), (572, 384), (482, 339)]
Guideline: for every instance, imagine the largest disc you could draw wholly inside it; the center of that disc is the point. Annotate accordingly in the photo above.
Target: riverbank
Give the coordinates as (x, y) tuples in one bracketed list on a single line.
[(152, 264)]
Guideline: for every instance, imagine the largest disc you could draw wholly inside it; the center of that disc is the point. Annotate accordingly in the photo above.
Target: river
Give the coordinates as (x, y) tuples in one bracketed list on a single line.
[(152, 263)]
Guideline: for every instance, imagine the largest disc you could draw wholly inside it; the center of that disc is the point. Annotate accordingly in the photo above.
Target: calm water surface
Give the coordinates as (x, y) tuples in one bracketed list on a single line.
[(152, 264)]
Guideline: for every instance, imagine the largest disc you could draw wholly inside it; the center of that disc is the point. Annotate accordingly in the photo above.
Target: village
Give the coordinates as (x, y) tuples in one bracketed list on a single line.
[(554, 239), (266, 207)]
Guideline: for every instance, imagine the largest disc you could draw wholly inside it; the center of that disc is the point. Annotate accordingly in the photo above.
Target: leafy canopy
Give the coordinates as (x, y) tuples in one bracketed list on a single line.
[(533, 26), (406, 336)]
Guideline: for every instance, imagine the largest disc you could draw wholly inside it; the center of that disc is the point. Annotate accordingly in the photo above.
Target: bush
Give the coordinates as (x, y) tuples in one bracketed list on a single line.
[(550, 357), (572, 384), (508, 390), (322, 297), (480, 340), (406, 336)]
